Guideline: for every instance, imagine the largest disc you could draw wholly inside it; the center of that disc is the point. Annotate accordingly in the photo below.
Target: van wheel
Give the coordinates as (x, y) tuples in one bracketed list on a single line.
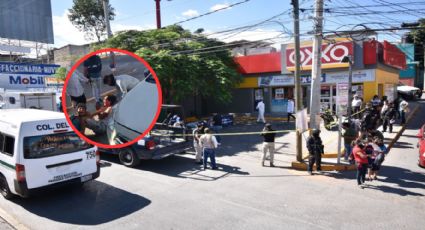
[(128, 157), (4, 188)]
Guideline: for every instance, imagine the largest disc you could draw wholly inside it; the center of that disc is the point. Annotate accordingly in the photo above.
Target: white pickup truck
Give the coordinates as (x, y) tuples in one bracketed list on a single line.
[(409, 92)]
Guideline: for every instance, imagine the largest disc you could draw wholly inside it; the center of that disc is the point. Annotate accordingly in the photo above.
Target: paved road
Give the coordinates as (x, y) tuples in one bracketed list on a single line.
[(175, 194)]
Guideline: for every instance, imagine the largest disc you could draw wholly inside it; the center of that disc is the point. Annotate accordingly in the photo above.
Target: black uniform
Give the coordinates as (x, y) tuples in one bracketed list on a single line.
[(315, 149)]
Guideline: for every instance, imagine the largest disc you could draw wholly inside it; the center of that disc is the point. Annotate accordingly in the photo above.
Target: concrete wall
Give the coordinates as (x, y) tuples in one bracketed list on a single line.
[(64, 56)]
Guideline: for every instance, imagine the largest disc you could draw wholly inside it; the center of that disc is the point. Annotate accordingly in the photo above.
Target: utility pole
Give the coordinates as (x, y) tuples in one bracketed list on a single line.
[(106, 15), (298, 93), (316, 72), (158, 14)]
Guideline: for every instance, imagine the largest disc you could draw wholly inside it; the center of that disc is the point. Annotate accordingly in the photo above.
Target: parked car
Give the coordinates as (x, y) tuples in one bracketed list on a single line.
[(408, 92), (421, 146)]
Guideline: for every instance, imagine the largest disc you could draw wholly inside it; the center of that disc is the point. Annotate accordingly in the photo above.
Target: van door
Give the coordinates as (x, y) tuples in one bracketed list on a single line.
[(57, 157)]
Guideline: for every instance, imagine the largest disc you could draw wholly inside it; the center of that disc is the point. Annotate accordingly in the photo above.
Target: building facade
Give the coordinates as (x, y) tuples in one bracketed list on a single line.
[(376, 67)]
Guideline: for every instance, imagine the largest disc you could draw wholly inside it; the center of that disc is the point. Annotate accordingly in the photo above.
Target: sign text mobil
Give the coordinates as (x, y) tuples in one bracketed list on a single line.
[(26, 80), (61, 125), (331, 53)]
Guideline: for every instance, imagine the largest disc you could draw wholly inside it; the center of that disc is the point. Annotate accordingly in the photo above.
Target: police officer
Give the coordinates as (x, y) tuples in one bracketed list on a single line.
[(315, 149)]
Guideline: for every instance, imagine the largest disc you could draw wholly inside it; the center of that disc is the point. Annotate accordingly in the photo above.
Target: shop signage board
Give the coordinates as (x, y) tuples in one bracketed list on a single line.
[(24, 76), (342, 98), (358, 76), (331, 54), (278, 80)]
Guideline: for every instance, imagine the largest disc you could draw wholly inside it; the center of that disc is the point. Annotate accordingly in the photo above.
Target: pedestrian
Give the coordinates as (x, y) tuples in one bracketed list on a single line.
[(315, 149), (124, 82), (75, 89), (403, 110), (209, 144), (367, 121), (361, 162), (384, 107), (92, 71), (349, 134), (373, 133), (376, 102), (380, 150), (268, 144), (59, 105), (197, 133), (261, 108), (290, 109), (389, 118), (370, 153), (356, 105), (104, 114)]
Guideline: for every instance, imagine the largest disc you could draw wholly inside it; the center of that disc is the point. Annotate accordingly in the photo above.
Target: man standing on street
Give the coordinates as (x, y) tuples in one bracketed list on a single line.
[(261, 108), (315, 149), (75, 90), (356, 104), (290, 109), (92, 71), (268, 144), (349, 134), (208, 144)]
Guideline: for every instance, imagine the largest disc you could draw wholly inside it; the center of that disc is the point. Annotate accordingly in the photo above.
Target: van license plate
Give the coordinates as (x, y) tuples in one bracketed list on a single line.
[(86, 178)]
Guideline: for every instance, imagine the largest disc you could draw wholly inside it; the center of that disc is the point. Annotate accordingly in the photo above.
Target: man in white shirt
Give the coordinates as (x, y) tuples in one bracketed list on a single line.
[(123, 82), (74, 88), (209, 144), (356, 104), (261, 108), (290, 109)]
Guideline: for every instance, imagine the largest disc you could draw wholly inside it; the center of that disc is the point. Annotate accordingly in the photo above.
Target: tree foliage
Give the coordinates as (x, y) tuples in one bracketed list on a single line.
[(88, 17), (418, 35), (181, 70), (61, 73)]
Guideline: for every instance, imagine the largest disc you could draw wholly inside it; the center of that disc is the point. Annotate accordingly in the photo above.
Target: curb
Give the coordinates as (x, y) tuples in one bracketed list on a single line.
[(12, 221), (325, 167)]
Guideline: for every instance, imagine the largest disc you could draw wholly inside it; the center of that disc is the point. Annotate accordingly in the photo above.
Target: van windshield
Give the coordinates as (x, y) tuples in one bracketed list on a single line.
[(53, 145)]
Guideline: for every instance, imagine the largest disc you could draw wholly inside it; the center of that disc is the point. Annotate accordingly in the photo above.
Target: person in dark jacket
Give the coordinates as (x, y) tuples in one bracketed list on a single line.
[(315, 149), (389, 117), (268, 144)]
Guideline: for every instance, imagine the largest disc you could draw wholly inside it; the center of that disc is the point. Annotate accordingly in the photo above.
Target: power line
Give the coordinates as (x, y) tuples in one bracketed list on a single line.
[(211, 12)]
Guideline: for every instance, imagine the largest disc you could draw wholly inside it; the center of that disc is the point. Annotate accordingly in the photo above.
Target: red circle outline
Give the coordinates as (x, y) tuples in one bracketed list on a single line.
[(158, 86)]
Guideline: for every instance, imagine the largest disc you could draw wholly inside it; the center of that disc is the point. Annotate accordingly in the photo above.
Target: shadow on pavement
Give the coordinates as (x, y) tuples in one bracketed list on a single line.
[(403, 145), (394, 190), (93, 204)]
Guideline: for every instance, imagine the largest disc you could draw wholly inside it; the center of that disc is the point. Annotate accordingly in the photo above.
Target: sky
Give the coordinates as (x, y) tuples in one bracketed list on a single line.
[(339, 15)]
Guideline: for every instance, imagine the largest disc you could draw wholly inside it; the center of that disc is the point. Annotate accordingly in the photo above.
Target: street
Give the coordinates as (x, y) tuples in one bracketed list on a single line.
[(174, 193)]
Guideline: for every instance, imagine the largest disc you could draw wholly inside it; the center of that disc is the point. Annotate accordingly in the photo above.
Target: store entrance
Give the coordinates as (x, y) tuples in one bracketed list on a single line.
[(327, 97)]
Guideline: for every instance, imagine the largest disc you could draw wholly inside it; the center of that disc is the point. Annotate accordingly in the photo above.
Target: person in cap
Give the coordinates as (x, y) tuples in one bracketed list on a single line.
[(268, 144), (315, 149)]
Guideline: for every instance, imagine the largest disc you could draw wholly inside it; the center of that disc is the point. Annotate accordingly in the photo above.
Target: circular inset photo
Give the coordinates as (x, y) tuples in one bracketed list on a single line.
[(111, 98)]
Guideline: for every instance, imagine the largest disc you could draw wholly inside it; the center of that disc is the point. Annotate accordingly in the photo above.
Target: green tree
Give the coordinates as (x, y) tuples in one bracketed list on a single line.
[(417, 36), (182, 69), (61, 74), (88, 17)]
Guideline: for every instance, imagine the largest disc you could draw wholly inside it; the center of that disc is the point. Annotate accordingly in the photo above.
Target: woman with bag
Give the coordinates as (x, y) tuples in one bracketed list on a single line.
[(209, 144)]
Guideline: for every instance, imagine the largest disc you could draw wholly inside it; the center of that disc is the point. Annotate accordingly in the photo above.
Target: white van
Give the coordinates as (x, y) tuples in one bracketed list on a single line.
[(28, 99), (38, 149)]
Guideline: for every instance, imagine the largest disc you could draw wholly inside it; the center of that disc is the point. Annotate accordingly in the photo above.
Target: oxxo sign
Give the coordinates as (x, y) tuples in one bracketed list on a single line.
[(331, 53)]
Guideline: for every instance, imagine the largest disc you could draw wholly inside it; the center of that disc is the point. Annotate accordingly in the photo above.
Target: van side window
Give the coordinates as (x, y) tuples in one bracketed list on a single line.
[(9, 145), (1, 142)]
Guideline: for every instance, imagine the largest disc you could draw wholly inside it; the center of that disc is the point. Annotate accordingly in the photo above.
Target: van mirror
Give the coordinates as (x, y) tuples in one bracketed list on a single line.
[(12, 100)]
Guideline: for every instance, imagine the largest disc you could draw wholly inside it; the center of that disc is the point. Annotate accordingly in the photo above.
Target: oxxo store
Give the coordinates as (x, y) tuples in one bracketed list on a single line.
[(370, 77)]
